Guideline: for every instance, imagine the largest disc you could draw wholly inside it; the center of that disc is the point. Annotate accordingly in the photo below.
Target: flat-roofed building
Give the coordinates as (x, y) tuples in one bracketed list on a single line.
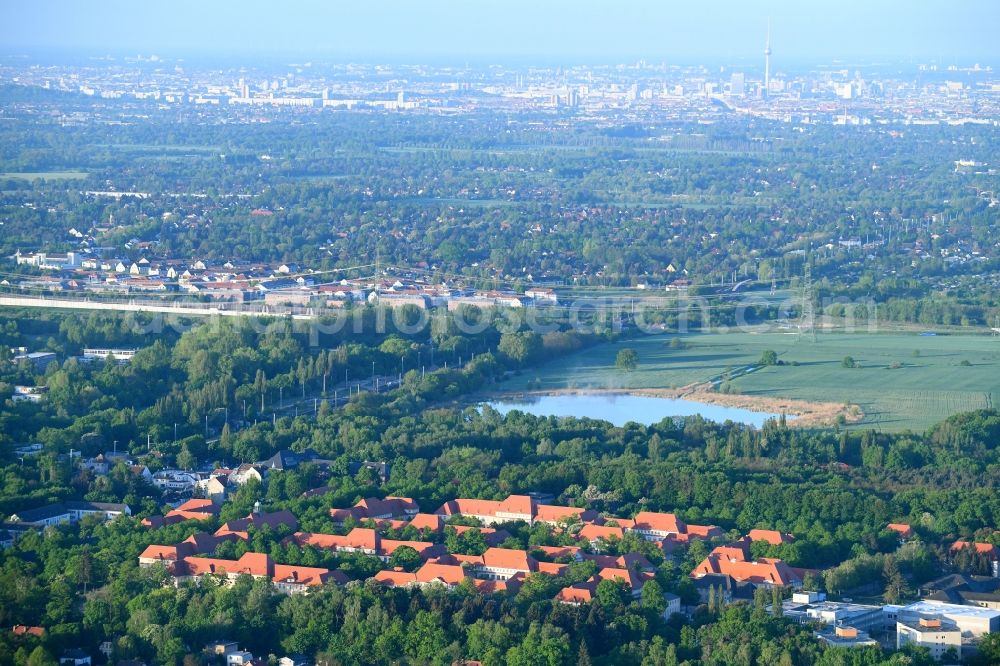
[(971, 620), (805, 607), (842, 636), (937, 635)]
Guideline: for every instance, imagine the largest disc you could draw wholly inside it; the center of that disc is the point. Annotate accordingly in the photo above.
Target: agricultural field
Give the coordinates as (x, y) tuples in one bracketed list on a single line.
[(902, 381)]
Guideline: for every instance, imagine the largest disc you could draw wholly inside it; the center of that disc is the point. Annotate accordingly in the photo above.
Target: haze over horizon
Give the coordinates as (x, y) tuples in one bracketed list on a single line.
[(962, 31)]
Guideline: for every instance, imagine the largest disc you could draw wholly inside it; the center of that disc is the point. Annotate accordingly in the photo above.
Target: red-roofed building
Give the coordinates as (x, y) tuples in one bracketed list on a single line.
[(367, 541), (773, 537), (492, 536), (991, 552), (427, 521), (445, 574), (515, 507), (551, 513), (167, 555), (20, 630), (578, 594), (595, 533), (193, 509), (290, 579), (627, 576), (904, 531), (258, 520), (377, 509), (396, 578), (659, 526), (559, 552), (733, 561)]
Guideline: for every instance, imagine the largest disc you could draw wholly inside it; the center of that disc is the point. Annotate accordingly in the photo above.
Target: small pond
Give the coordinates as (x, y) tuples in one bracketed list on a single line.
[(620, 408)]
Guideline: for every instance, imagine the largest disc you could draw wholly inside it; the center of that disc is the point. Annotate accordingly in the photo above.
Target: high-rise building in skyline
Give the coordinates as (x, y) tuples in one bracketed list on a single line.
[(737, 84), (767, 60)]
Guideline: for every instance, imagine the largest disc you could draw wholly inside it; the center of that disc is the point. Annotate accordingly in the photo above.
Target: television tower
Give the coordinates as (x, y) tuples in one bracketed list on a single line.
[(767, 60)]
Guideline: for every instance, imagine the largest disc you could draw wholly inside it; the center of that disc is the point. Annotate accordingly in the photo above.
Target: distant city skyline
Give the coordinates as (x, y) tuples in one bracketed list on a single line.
[(512, 30)]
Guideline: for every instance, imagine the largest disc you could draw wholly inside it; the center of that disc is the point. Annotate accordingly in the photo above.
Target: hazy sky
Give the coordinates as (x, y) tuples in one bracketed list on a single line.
[(570, 30)]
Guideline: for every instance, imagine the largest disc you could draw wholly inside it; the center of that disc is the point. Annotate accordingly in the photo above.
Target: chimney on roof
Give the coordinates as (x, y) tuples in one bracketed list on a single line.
[(256, 507)]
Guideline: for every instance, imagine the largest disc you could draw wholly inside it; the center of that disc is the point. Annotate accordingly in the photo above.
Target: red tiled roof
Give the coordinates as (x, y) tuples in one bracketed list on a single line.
[(359, 538), (308, 576), (508, 558), (550, 513), (522, 504), (469, 507), (630, 578), (764, 570), (164, 553), (390, 506), (904, 530), (773, 537), (551, 568), (22, 630), (981, 548), (580, 593), (254, 564), (703, 531), (427, 521), (449, 574), (199, 505), (659, 522), (395, 578), (558, 551), (259, 520), (592, 532), (424, 549)]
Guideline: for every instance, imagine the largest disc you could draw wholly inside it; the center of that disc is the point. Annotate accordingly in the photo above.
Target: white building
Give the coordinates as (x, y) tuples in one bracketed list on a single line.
[(120, 355), (937, 635)]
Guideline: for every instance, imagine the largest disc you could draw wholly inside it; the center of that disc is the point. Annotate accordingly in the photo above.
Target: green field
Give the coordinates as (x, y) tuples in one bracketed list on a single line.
[(44, 175), (931, 383)]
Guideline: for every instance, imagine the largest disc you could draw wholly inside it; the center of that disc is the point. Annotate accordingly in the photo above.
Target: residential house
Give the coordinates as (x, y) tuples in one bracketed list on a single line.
[(904, 531), (381, 469), (175, 480), (244, 473), (20, 631), (220, 648), (74, 657), (287, 459), (193, 509), (215, 487)]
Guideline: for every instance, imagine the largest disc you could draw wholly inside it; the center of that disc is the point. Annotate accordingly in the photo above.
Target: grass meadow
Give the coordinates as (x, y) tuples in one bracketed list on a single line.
[(904, 381)]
